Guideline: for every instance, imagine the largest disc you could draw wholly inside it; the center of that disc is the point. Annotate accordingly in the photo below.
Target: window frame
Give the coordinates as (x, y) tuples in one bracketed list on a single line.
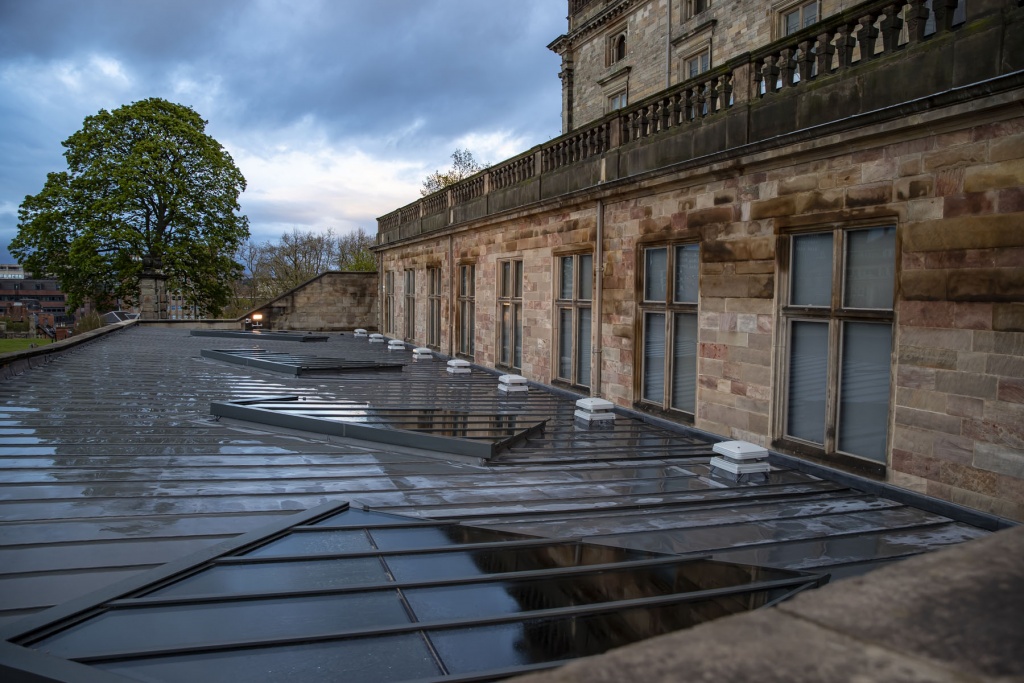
[(618, 46), (434, 298), (510, 301), (838, 317), (409, 291), (618, 100), (695, 56), (389, 302), (671, 308), (575, 304), (696, 7), (782, 12), (466, 316)]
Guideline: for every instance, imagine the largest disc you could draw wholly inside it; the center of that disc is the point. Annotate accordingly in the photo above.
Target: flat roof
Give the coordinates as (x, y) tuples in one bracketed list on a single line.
[(111, 464)]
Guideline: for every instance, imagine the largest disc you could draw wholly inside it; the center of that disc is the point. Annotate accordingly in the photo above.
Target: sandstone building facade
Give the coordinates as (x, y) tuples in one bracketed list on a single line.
[(799, 224)]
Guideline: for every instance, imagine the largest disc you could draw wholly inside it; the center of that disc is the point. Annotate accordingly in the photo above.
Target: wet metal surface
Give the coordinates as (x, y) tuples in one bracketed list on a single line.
[(480, 602), (110, 463)]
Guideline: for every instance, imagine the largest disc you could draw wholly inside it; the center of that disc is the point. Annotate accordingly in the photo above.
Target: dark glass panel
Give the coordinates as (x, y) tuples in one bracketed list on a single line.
[(370, 660), (314, 543), (192, 625), (427, 537), (278, 576)]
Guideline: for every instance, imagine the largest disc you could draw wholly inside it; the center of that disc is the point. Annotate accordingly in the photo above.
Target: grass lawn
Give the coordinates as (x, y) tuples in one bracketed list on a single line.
[(8, 345)]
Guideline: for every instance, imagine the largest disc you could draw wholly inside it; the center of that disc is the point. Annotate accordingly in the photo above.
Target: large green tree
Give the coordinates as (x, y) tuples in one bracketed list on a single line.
[(145, 186)]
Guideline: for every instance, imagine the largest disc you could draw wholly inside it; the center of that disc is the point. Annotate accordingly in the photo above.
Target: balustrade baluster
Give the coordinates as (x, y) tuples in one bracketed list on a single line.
[(917, 20), (824, 49), (771, 74), (844, 45), (892, 25), (787, 65), (805, 64), (944, 14), (713, 104), (758, 75), (867, 36)]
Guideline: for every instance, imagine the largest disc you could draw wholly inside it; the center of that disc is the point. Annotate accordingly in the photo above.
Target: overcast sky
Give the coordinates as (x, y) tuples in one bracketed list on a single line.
[(334, 110)]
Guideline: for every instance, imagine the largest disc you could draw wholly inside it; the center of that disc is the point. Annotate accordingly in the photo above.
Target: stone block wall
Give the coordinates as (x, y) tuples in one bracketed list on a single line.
[(952, 183), (331, 301), (727, 28)]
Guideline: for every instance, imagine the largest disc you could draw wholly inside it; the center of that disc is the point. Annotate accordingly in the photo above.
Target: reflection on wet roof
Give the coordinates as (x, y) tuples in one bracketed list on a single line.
[(261, 335), (295, 364), (110, 465), (349, 594), (456, 432)]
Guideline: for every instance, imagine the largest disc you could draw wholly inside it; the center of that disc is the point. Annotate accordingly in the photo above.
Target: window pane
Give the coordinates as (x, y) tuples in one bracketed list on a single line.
[(519, 279), (565, 286), (870, 268), (586, 277), (864, 393), (808, 374), (517, 315), (506, 276), (684, 358), (506, 332), (654, 357), (655, 274), (810, 14), (687, 273), (792, 22), (811, 270), (565, 343), (583, 348)]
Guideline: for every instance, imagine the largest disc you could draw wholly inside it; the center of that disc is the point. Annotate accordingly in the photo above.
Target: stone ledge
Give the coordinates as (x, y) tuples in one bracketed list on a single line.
[(17, 362), (951, 615)]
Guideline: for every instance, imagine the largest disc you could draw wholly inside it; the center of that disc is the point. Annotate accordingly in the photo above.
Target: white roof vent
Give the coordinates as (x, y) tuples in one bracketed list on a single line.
[(376, 337), (740, 458), (396, 345), (457, 366), (512, 384), (592, 410), (422, 353), (360, 332)]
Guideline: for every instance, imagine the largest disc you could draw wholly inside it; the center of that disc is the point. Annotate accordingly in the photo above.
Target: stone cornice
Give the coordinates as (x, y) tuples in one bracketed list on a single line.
[(612, 13)]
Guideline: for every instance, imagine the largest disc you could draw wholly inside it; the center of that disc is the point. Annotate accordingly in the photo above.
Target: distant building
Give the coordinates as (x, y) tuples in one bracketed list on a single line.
[(792, 223), (21, 297)]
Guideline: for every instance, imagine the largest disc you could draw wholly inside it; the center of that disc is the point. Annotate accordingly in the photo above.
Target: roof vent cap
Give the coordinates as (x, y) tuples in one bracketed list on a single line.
[(592, 410), (457, 366), (396, 345), (422, 353), (740, 458), (376, 337), (512, 384), (360, 332)]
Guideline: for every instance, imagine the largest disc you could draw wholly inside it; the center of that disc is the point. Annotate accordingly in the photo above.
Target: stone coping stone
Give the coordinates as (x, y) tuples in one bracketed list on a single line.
[(952, 615)]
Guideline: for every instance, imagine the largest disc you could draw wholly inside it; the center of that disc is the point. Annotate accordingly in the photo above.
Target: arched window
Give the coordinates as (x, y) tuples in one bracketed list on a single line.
[(618, 48)]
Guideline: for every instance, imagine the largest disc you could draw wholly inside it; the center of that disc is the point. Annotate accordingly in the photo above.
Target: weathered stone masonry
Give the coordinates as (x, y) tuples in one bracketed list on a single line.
[(947, 170)]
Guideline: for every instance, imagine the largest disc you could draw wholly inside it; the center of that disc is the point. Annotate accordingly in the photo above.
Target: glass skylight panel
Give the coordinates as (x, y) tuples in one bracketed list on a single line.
[(485, 602)]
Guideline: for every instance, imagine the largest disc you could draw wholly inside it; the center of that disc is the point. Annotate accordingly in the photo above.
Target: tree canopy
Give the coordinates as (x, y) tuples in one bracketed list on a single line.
[(463, 166), (145, 184)]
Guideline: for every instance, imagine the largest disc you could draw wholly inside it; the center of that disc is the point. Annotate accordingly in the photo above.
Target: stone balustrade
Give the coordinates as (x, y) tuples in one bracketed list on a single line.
[(619, 145)]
